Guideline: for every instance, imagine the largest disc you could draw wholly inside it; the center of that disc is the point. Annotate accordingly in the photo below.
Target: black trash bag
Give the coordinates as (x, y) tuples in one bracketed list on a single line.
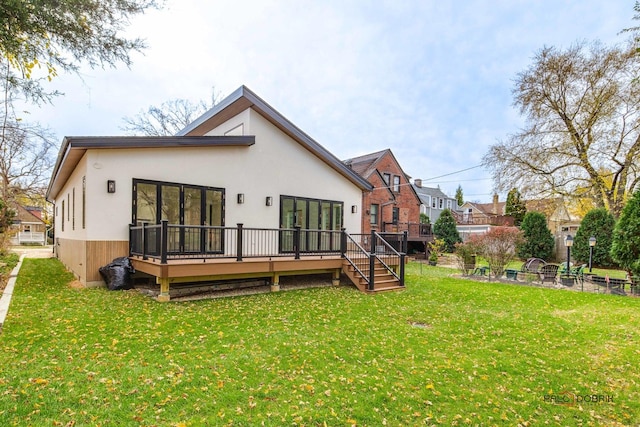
[(117, 274)]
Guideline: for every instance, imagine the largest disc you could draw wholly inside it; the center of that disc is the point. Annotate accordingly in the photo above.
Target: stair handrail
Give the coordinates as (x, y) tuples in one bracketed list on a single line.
[(360, 250), (393, 251)]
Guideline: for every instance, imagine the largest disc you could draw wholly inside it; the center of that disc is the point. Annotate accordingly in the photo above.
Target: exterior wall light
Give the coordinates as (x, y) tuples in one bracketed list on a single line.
[(111, 186), (269, 201), (354, 208), (240, 198)]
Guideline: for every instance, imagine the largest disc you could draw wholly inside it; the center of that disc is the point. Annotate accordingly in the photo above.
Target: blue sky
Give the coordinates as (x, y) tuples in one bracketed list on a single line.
[(431, 79)]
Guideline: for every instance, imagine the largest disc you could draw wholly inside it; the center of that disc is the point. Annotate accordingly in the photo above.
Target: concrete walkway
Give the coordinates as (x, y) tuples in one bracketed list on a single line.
[(24, 252)]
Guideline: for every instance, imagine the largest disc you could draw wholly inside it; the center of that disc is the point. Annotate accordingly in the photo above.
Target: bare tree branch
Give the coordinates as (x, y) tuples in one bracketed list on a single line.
[(582, 131)]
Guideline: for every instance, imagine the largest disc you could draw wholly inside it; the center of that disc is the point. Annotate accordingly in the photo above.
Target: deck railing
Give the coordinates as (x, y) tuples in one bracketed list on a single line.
[(166, 241), (31, 237), (362, 251), (414, 230), (466, 218)]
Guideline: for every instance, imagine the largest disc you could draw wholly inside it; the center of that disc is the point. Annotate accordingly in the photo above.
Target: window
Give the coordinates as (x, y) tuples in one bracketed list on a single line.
[(181, 204), (396, 216), (449, 204), (373, 219), (315, 218), (441, 203), (434, 201), (73, 209), (62, 222), (387, 179), (396, 183)]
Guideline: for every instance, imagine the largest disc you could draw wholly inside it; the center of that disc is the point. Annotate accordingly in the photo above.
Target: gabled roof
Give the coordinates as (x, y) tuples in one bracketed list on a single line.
[(430, 191), (74, 147), (244, 98), (366, 165), (488, 208), (24, 214)]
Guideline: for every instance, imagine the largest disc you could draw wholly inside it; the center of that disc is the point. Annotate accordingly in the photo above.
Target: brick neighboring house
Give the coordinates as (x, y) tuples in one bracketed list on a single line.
[(393, 204)]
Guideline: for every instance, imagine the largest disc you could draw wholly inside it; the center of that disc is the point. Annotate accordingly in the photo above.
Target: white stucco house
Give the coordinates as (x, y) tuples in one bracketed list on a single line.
[(242, 162)]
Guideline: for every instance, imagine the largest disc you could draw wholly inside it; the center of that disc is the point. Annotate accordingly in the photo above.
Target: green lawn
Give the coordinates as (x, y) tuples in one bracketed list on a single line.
[(446, 351)]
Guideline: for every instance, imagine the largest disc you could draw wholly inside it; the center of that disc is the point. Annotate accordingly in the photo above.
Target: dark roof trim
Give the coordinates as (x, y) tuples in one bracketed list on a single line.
[(78, 145), (244, 98), (159, 141)]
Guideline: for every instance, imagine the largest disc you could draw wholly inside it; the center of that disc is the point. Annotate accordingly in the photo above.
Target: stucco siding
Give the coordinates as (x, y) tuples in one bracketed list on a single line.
[(276, 165)]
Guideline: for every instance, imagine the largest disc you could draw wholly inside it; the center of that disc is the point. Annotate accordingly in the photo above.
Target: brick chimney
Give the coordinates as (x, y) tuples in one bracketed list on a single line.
[(495, 204), (417, 183)]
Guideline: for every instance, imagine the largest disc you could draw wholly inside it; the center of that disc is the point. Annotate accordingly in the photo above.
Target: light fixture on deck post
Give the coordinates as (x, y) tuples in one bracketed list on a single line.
[(592, 243), (240, 198)]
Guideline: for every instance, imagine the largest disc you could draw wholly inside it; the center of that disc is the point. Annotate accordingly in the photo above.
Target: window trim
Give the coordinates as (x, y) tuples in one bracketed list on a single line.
[(374, 212), (396, 184)]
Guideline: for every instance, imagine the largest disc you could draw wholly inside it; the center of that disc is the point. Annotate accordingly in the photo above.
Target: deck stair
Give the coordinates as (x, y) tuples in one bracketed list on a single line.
[(385, 261)]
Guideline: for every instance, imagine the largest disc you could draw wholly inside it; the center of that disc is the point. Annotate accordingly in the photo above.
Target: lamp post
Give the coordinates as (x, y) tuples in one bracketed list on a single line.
[(592, 243), (568, 242)]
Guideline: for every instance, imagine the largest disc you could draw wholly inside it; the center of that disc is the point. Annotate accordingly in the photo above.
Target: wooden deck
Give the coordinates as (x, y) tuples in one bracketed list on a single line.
[(244, 254), (216, 269)]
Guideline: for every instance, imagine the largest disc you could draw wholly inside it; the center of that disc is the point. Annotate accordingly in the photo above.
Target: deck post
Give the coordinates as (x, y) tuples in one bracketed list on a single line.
[(405, 242), (372, 261), (145, 245), (164, 289), (403, 255), (131, 239), (343, 243), (275, 282), (296, 241), (164, 242), (335, 281), (239, 242)]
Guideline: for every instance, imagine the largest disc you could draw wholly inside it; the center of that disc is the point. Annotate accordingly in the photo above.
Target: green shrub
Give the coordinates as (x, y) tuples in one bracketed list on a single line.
[(445, 229), (538, 241), (598, 223)]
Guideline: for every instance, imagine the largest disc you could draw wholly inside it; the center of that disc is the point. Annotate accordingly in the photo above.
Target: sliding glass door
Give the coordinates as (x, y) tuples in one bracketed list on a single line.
[(186, 208), (315, 218)]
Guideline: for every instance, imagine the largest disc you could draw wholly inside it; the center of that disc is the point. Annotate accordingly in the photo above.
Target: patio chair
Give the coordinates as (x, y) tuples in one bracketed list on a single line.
[(533, 265), (578, 273), (548, 273)]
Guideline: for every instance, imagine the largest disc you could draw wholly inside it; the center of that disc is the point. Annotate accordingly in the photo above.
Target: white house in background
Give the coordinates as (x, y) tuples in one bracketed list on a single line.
[(28, 226), (241, 162), (478, 218), (433, 201)]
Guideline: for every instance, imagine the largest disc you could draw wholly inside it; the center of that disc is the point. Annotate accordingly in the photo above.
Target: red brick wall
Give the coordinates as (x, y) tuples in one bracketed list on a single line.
[(406, 199)]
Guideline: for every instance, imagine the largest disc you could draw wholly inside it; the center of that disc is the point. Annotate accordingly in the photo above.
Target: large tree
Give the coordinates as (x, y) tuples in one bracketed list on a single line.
[(582, 131), (26, 150), (170, 117), (625, 246), (49, 36), (459, 196), (515, 207)]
